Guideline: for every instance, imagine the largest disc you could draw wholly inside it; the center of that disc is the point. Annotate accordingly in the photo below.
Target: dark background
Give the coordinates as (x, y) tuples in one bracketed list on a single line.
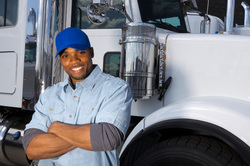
[(218, 8)]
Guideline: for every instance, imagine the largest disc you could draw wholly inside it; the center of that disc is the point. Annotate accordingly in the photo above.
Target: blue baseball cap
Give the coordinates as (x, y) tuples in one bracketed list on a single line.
[(73, 38)]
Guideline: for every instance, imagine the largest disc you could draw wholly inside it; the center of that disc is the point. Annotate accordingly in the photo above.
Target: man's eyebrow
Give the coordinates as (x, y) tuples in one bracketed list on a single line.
[(61, 52)]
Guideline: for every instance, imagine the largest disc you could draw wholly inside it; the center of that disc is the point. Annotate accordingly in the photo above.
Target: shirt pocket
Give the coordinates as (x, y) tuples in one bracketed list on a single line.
[(56, 112), (87, 113)]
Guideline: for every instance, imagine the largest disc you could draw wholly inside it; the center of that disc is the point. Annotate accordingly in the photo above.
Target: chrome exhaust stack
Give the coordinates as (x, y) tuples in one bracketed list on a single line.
[(230, 16), (246, 13), (138, 58)]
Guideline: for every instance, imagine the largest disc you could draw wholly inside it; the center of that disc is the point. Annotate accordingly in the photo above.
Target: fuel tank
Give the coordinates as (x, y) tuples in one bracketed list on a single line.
[(11, 134)]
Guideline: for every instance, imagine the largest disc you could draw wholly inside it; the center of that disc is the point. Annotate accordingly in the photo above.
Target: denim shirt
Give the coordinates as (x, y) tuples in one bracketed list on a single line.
[(98, 98)]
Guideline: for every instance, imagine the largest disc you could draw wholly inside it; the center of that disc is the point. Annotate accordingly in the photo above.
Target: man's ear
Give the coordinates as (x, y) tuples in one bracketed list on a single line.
[(91, 52)]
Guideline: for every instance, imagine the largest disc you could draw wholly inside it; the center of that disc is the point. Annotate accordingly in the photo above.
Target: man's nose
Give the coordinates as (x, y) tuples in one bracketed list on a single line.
[(74, 58)]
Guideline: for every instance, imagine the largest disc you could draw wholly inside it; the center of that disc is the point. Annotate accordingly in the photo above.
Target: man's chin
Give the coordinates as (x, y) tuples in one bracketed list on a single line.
[(77, 79)]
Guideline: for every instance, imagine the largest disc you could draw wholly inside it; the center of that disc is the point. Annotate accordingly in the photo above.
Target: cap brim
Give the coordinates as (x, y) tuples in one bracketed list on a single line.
[(75, 46)]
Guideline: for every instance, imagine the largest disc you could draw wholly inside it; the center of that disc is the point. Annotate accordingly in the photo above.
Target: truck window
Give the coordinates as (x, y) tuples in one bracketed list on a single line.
[(8, 12), (79, 16), (163, 14), (112, 63)]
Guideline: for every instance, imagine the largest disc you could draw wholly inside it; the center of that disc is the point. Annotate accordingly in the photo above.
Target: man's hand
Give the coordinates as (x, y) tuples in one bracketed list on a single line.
[(60, 139), (47, 145), (77, 135), (54, 127)]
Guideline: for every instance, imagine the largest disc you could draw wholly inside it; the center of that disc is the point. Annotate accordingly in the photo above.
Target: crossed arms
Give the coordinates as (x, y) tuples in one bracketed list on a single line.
[(60, 139)]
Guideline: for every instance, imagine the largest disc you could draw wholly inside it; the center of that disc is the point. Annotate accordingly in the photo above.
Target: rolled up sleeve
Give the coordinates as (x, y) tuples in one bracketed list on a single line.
[(116, 108)]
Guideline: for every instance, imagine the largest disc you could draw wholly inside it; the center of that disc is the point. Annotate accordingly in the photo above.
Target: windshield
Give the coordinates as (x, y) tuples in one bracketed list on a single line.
[(167, 14)]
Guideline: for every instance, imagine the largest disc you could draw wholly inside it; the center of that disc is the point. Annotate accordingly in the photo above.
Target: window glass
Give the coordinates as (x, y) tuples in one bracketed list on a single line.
[(79, 16), (8, 12), (163, 14), (2, 11), (112, 63), (30, 52), (175, 21)]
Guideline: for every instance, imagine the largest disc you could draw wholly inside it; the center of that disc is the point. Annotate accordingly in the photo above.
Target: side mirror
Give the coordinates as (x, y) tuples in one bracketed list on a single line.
[(32, 18), (96, 13)]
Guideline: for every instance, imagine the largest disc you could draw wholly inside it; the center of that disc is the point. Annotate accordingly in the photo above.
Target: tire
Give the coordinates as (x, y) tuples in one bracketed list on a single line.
[(190, 151)]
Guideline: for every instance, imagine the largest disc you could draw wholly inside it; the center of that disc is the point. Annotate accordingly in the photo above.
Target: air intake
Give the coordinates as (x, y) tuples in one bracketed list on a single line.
[(138, 58)]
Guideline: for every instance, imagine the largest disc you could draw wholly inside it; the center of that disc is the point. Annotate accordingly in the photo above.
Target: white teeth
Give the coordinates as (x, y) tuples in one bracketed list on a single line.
[(77, 68)]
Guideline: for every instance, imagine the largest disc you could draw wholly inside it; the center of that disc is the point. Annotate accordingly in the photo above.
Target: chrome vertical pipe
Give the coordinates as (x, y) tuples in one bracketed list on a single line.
[(230, 16), (246, 13)]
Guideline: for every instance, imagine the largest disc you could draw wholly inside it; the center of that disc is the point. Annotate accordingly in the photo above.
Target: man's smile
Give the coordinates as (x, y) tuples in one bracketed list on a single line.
[(77, 69)]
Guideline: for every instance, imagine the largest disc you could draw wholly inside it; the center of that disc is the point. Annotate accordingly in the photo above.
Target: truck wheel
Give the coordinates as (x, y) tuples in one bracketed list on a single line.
[(190, 151)]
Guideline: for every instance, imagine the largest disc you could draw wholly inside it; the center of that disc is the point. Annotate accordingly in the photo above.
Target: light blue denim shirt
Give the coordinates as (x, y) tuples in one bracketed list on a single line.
[(98, 98)]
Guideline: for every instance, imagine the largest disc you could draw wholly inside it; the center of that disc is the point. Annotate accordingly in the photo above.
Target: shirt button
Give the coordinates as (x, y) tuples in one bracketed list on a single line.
[(75, 97), (50, 109), (93, 109), (70, 116)]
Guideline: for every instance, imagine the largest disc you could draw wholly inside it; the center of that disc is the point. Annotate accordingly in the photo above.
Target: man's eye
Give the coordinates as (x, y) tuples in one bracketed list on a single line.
[(64, 56)]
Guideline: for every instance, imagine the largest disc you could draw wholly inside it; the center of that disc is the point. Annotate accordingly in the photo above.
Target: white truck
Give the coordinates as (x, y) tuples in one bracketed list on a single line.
[(189, 73)]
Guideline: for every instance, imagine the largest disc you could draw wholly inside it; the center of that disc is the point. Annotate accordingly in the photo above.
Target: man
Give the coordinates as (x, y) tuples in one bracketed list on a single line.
[(82, 120)]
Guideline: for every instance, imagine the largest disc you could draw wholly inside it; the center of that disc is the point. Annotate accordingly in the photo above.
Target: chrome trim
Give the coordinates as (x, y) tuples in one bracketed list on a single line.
[(161, 65), (246, 13), (32, 17), (138, 58), (40, 22), (58, 72), (30, 63), (134, 13), (195, 3), (68, 13), (205, 25), (230, 16), (45, 45), (4, 127)]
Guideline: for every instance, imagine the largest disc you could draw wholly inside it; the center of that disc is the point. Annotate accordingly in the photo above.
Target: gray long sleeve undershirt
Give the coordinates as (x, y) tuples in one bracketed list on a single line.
[(103, 136)]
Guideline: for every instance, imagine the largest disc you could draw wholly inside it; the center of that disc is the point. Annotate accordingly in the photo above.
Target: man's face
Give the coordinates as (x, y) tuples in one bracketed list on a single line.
[(77, 64)]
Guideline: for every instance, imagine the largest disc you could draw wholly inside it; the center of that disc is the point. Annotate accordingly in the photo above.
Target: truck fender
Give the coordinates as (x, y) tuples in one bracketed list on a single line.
[(224, 118)]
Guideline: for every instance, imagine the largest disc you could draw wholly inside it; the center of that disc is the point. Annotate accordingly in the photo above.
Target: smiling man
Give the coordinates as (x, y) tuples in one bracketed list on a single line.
[(82, 120), (77, 71)]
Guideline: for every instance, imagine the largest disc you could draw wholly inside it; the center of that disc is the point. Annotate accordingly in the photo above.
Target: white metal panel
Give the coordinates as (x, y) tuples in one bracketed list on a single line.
[(215, 24), (103, 41), (145, 107), (13, 40), (230, 114), (241, 30), (207, 65), (8, 68)]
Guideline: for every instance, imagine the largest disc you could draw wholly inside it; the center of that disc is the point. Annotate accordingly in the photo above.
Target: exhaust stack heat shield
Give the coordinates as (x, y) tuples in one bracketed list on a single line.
[(138, 58)]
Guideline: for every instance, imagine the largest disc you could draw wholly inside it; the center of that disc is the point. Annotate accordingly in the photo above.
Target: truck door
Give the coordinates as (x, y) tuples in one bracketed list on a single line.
[(12, 49)]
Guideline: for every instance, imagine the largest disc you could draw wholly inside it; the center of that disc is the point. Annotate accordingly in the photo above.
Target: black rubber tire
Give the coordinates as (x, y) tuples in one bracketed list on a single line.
[(190, 151)]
